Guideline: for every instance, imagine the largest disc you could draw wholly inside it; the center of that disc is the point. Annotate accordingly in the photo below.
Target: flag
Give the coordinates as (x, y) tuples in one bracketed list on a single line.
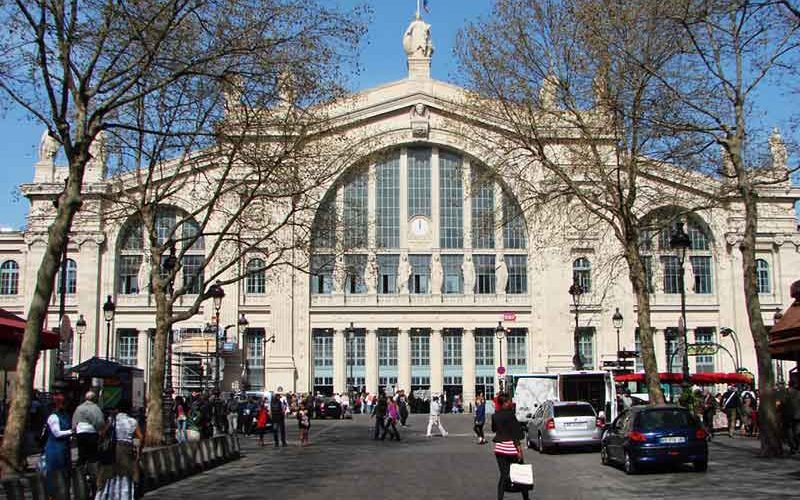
[(426, 7)]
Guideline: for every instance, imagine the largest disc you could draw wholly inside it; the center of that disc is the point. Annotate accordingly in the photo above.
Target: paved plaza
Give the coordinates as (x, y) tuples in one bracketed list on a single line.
[(343, 462)]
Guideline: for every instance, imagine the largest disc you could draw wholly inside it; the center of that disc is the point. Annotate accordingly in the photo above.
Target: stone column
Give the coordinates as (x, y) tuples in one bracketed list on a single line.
[(468, 362), (404, 359), (339, 362), (437, 361), (371, 346)]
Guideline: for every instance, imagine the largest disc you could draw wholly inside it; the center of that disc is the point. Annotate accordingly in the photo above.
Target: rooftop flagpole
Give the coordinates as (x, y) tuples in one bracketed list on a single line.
[(418, 9)]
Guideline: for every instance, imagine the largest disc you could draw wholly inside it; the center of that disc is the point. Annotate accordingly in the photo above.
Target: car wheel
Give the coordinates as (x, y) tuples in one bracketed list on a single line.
[(630, 464), (540, 444), (701, 465), (604, 455)]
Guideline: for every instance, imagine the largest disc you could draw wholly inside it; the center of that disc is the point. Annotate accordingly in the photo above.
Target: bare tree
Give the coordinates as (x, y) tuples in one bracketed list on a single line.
[(578, 121), (82, 68)]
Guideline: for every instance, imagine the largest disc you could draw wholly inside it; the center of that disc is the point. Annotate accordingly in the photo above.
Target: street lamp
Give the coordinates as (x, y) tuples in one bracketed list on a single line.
[(725, 332), (108, 313), (617, 320), (242, 324), (500, 333), (775, 319), (681, 242), (80, 329), (576, 291), (216, 293), (350, 331)]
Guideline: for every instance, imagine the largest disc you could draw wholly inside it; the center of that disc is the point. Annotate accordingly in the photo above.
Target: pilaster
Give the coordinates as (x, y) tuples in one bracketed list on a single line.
[(437, 361), (404, 359), (339, 362), (468, 362), (371, 346)]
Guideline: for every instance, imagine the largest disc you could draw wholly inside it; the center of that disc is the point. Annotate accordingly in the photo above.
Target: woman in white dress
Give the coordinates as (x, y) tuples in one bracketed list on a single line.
[(117, 480)]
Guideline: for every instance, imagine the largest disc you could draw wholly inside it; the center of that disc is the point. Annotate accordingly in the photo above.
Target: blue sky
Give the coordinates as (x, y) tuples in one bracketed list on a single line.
[(382, 60)]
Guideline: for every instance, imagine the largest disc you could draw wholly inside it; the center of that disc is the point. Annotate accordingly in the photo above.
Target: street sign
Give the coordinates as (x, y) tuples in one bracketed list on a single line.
[(610, 364), (627, 354), (509, 316), (501, 370), (625, 364), (702, 349)]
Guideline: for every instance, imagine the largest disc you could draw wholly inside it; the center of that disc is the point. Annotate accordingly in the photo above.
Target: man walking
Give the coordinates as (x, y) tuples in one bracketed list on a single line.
[(87, 421), (436, 411), (233, 414), (731, 403), (277, 415), (380, 417)]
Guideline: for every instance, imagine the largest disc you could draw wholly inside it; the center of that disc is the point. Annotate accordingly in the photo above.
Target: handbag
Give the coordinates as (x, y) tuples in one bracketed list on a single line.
[(107, 447), (521, 475)]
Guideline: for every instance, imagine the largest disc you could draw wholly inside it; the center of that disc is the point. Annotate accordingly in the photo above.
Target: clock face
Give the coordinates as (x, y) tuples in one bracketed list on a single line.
[(419, 226)]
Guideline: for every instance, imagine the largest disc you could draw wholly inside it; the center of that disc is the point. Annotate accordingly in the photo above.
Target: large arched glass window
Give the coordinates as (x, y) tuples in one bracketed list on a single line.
[(255, 282), (582, 273), (763, 281), (72, 278), (9, 278)]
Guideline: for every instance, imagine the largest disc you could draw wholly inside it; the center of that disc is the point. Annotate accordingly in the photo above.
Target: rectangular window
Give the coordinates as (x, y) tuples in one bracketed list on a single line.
[(451, 201), (671, 349), (419, 282), (672, 272), (484, 349), (517, 273), (129, 274), (452, 350), (321, 274), (482, 212), (355, 211), (387, 273), (72, 277), (484, 273), (701, 269), (324, 233), (419, 182), (705, 363), (517, 348), (387, 350), (420, 381), (355, 265), (255, 358), (485, 385), (356, 350), (323, 349), (647, 262), (586, 346), (697, 237), (513, 224), (646, 240), (387, 209), (452, 380), (193, 266), (637, 346), (451, 270), (165, 225), (420, 350), (128, 347)]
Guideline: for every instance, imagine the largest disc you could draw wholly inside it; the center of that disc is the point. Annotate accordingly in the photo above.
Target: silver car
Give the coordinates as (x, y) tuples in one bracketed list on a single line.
[(564, 424)]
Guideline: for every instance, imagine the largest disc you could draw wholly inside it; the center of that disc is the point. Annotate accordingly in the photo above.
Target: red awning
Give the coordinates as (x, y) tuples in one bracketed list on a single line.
[(696, 378), (12, 327)]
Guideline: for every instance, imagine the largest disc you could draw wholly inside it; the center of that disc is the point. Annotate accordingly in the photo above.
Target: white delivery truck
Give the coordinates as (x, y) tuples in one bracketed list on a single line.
[(594, 387)]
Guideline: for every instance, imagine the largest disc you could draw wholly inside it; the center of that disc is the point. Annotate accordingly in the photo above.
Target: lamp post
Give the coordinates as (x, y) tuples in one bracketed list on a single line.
[(242, 324), (350, 331), (108, 313), (500, 333), (617, 320), (80, 329), (576, 291), (779, 368), (725, 332), (168, 265), (680, 242), (216, 293)]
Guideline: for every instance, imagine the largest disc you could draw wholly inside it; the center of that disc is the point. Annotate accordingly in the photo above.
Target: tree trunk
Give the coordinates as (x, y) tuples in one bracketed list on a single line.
[(648, 354), (155, 415), (769, 426), (12, 452)]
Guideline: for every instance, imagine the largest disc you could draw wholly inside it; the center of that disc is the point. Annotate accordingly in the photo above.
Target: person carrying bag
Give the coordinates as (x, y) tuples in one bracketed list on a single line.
[(508, 451)]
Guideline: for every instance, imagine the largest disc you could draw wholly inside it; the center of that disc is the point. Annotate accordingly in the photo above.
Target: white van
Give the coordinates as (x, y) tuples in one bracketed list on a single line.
[(594, 387)]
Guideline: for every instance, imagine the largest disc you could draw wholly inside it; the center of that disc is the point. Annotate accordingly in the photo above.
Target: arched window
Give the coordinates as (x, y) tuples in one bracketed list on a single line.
[(255, 282), (582, 273), (763, 282), (9, 278), (72, 278)]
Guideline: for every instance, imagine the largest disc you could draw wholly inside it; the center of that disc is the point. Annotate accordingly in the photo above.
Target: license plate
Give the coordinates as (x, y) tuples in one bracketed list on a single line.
[(575, 424), (674, 439)]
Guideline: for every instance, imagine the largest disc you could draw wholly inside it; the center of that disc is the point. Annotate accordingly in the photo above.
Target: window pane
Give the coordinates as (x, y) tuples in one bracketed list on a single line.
[(322, 274), (71, 278), (128, 273), (420, 350), (193, 273), (452, 350), (387, 350), (355, 211), (324, 235), (517, 273), (387, 273), (701, 268), (387, 178), (697, 237), (671, 268), (420, 274), (484, 349), (451, 269), (323, 349), (256, 279), (484, 273), (127, 347), (704, 336), (482, 211), (451, 201), (355, 266), (582, 274), (255, 359), (671, 348), (586, 346), (9, 278), (513, 224), (419, 182), (517, 348), (763, 282)]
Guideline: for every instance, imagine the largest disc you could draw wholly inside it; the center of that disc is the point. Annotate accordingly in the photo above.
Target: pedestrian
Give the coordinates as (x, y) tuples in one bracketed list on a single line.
[(507, 447), (87, 422), (392, 417), (748, 407), (379, 412), (277, 413), (480, 418), (181, 419), (435, 417), (730, 403), (262, 417), (709, 405), (118, 480), (57, 458), (233, 414), (345, 404), (402, 404), (304, 424)]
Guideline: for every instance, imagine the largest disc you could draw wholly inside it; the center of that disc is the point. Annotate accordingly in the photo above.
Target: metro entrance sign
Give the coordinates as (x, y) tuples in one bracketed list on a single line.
[(509, 316), (501, 370)]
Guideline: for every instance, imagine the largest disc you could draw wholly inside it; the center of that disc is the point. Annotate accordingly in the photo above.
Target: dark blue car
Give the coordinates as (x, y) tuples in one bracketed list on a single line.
[(655, 435)]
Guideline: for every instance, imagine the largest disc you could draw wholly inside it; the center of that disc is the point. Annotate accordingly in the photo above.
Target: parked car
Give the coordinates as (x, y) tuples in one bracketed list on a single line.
[(329, 408), (655, 435), (564, 424)]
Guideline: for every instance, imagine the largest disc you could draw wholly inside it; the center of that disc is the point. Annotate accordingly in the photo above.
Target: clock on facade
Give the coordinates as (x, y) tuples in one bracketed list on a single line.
[(420, 226)]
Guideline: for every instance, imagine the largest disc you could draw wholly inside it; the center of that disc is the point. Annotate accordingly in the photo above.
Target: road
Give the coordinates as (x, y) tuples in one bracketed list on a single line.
[(343, 462)]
